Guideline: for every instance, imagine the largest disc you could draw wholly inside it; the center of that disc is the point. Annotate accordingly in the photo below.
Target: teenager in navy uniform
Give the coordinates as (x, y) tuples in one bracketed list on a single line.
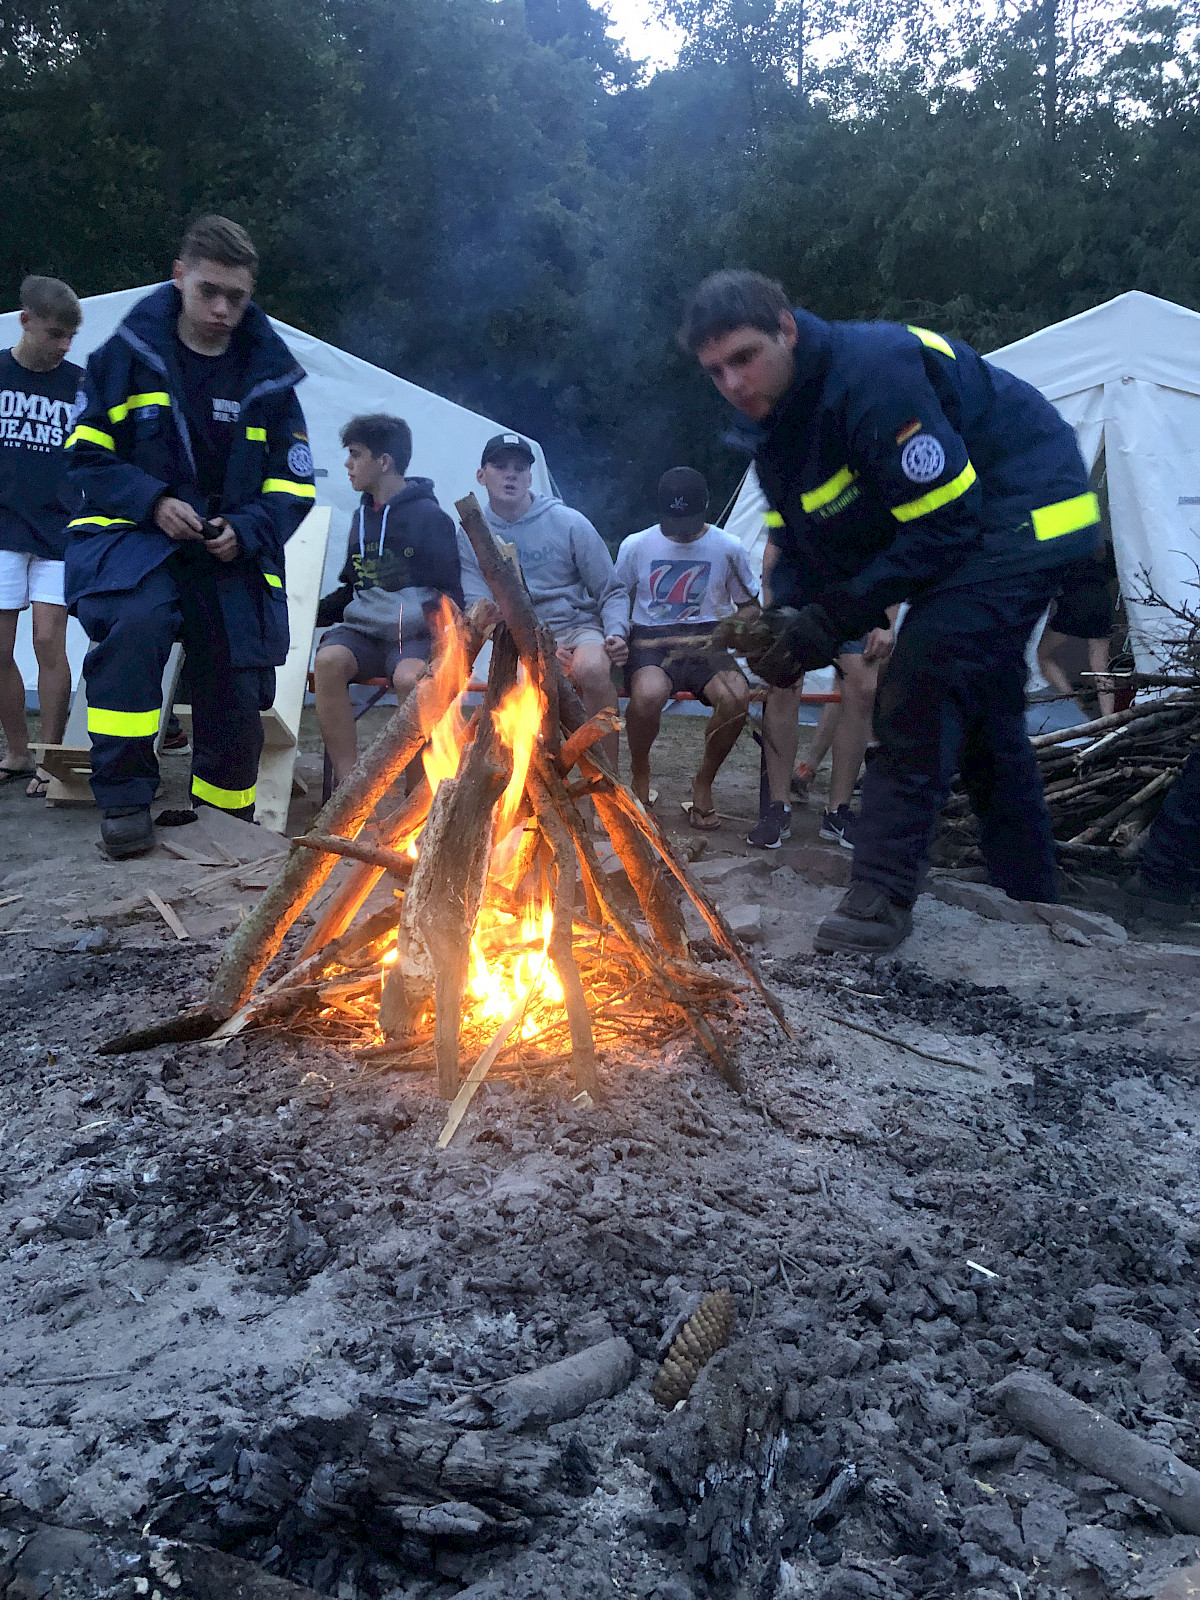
[(194, 463), (899, 465)]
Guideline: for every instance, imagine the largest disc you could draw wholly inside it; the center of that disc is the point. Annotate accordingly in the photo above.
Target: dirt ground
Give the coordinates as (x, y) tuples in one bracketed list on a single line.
[(253, 1316)]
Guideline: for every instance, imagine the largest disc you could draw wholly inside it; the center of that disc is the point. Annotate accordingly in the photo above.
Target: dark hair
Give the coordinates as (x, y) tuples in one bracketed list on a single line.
[(218, 239), (51, 297), (732, 299), (382, 435)]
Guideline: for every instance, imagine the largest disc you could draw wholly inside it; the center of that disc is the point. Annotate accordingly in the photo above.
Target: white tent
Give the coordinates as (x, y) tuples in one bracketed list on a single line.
[(1126, 375), (447, 438)]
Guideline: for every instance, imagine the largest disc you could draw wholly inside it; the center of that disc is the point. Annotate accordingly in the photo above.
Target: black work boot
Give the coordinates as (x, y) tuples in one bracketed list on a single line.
[(1144, 902), (127, 831), (866, 922)]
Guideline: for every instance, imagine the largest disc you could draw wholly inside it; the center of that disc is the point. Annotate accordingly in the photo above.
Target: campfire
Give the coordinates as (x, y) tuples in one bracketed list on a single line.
[(504, 931)]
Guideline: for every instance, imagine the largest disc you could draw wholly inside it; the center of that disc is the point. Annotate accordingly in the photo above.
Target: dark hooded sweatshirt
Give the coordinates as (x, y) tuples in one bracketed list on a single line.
[(401, 557)]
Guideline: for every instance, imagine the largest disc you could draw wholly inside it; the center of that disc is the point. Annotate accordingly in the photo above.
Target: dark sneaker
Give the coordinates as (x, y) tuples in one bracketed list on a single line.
[(772, 829), (866, 922), (1146, 902), (127, 832), (839, 825)]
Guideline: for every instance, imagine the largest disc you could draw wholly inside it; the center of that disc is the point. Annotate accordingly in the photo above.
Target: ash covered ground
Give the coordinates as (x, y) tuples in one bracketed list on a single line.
[(250, 1307)]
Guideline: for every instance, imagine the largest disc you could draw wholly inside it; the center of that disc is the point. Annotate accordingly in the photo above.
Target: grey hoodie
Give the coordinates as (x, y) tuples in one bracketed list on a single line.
[(567, 568)]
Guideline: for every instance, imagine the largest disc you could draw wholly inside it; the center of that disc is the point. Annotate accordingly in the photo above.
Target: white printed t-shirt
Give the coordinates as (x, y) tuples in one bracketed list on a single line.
[(672, 583)]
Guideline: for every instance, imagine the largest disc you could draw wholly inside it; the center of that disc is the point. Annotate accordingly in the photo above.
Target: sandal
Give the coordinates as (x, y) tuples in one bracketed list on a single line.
[(39, 784), (16, 774), (702, 821)]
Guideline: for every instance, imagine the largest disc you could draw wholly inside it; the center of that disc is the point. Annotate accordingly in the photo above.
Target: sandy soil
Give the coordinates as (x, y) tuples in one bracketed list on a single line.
[(252, 1312)]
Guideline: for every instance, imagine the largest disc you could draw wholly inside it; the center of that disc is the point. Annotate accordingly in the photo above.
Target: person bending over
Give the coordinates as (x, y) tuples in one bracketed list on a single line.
[(40, 394), (567, 569), (682, 576), (401, 558), (899, 465), (193, 459)]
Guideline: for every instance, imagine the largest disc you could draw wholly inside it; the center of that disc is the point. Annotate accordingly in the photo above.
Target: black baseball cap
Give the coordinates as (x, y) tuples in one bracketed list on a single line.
[(682, 495), (504, 443)]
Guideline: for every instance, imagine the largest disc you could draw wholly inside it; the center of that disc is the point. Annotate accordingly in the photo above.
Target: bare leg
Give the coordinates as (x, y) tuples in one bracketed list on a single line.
[(1097, 650), (853, 730), (649, 691), (591, 673), (781, 735), (12, 699), (729, 695), (1048, 664), (406, 674), (334, 672), (54, 671)]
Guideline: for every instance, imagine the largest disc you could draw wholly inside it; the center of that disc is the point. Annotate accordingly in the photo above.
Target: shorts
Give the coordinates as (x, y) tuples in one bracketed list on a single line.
[(684, 652), (376, 659), (1084, 612), (584, 633), (24, 578), (852, 647)]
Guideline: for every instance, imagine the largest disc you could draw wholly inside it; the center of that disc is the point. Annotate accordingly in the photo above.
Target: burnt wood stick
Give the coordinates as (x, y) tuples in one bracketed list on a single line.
[(442, 902), (653, 884), (559, 949), (592, 731), (718, 927), (258, 938), (1116, 719), (644, 958), (374, 856), (547, 682)]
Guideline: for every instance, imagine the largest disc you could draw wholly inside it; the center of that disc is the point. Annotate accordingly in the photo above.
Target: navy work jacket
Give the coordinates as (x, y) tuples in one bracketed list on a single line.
[(899, 462), (132, 445)]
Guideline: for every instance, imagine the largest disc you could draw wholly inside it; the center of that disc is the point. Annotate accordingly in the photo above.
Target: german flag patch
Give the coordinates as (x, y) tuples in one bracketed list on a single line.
[(907, 431)]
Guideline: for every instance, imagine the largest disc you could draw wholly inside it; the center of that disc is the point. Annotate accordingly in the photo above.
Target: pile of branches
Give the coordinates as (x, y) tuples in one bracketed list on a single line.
[(1104, 782)]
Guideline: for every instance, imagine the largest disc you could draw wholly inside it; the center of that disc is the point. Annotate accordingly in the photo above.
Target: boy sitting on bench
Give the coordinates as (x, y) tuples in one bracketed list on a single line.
[(682, 577), (402, 557)]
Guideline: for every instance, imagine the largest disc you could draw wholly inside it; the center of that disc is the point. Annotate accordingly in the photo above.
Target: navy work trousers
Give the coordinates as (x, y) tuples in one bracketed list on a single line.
[(1170, 858), (131, 637), (953, 699)]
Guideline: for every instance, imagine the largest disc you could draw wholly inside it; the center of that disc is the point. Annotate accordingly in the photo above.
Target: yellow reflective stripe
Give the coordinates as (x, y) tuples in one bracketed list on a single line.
[(302, 491), (1066, 516), (829, 490), (774, 520), (94, 434), (258, 434), (933, 340), (276, 583), (102, 522), (123, 724), (137, 402), (936, 497), (227, 799)]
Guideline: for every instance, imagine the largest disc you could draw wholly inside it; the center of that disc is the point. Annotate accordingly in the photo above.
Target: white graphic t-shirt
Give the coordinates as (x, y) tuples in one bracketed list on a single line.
[(674, 583)]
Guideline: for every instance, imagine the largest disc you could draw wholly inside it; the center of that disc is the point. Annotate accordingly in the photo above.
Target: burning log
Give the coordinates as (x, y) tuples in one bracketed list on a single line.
[(373, 854), (442, 904)]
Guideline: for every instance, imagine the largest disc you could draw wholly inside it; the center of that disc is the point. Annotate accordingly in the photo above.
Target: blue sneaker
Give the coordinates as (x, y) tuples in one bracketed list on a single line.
[(772, 829), (839, 825)]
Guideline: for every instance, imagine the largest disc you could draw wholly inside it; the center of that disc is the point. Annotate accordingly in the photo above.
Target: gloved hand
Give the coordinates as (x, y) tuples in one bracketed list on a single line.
[(802, 641)]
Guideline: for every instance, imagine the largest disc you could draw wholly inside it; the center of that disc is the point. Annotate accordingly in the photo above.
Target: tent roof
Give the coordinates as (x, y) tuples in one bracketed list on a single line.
[(447, 438), (1134, 336)]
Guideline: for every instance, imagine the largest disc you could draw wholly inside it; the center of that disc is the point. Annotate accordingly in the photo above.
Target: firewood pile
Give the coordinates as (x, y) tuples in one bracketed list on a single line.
[(1104, 782), (505, 933)]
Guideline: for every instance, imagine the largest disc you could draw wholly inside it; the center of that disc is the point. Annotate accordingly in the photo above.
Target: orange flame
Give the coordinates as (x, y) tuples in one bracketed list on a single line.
[(518, 720)]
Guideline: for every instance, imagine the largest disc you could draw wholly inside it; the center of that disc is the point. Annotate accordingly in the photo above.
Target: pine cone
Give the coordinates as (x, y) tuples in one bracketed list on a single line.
[(701, 1336)]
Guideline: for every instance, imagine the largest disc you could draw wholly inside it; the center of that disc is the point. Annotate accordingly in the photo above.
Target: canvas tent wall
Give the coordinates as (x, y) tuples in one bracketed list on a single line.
[(447, 438), (1126, 376)]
